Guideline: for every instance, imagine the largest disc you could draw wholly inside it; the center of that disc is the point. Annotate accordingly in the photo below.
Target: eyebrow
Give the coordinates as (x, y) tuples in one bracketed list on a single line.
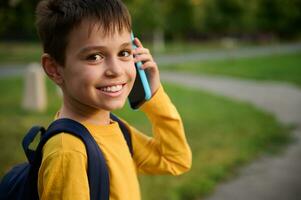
[(89, 48)]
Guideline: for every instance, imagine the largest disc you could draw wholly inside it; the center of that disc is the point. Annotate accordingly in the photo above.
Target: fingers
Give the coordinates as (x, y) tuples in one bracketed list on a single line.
[(140, 49), (143, 58), (140, 53), (147, 61), (138, 43), (143, 55), (150, 65)]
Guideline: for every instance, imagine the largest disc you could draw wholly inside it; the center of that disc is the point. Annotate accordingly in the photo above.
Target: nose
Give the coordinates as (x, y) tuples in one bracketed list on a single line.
[(114, 67)]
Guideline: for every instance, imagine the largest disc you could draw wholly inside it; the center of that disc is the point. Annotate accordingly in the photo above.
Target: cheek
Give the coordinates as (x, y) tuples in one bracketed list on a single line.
[(132, 71), (80, 78)]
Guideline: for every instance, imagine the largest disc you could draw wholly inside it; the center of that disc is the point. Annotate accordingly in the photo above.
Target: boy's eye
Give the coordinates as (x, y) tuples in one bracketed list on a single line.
[(126, 53), (94, 57)]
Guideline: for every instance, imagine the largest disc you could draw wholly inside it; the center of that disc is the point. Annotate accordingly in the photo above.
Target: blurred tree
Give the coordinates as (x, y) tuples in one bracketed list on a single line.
[(239, 17), (227, 16), (149, 18), (278, 16), (179, 18), (17, 19), (147, 15), (171, 16)]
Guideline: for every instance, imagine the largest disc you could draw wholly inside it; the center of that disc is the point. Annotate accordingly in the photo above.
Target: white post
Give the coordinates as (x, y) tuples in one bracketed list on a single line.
[(34, 95)]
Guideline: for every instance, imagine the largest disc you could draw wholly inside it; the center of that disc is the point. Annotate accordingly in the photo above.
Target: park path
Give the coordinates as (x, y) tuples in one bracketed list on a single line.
[(270, 177), (230, 53)]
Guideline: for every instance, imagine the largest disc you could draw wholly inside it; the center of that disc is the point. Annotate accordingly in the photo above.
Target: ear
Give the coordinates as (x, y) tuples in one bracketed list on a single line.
[(52, 69)]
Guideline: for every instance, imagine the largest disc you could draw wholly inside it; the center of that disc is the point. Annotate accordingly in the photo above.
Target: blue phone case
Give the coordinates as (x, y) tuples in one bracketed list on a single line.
[(142, 74)]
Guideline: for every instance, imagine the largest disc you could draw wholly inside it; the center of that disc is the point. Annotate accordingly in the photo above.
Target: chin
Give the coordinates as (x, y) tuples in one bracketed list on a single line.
[(114, 106)]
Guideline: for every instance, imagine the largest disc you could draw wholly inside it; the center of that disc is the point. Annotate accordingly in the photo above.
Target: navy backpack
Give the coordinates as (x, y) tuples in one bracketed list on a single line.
[(20, 183)]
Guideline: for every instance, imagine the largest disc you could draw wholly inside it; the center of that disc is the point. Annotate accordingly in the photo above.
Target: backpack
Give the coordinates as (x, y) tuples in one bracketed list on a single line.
[(21, 181)]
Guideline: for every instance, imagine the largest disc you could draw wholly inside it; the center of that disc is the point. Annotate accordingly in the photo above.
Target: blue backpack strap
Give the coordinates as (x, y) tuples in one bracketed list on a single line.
[(98, 175), (28, 139), (125, 132)]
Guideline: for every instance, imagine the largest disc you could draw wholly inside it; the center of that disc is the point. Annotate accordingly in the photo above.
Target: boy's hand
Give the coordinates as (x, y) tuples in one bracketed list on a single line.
[(148, 64)]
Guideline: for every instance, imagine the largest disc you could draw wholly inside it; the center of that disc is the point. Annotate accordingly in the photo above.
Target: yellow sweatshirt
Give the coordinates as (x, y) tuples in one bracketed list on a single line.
[(63, 172)]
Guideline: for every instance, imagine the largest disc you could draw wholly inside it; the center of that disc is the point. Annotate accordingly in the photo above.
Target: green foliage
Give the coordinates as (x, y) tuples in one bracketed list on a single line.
[(147, 16), (180, 19), (280, 16), (17, 19), (224, 16)]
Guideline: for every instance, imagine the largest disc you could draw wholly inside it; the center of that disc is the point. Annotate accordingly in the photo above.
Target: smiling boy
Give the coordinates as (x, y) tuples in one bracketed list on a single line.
[(88, 54)]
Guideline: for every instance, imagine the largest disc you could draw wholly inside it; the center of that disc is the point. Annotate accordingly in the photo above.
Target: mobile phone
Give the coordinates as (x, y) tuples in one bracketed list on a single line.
[(141, 90)]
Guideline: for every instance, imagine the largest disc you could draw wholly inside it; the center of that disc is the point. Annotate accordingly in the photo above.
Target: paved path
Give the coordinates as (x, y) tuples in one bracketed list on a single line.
[(11, 70), (270, 177), (223, 54)]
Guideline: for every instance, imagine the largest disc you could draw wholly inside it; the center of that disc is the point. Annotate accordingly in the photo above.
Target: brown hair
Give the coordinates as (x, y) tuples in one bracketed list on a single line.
[(57, 18)]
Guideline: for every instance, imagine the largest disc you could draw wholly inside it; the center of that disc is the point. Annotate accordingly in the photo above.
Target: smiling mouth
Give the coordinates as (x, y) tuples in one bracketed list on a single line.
[(112, 89)]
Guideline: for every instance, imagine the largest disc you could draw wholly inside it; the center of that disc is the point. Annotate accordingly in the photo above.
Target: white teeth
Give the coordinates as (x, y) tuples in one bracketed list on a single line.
[(114, 88)]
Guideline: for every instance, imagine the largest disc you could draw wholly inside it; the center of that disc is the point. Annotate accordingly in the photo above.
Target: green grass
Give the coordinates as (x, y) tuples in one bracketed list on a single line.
[(20, 53), (223, 136), (285, 67)]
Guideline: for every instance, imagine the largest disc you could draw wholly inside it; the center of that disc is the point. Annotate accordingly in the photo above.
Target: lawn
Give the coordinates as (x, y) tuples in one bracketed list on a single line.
[(223, 136), (19, 53), (280, 67)]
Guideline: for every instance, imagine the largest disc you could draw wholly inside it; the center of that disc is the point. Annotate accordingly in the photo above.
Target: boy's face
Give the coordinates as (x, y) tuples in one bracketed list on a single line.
[(99, 70)]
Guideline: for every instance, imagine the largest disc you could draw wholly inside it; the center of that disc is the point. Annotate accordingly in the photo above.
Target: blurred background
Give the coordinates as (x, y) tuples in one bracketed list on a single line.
[(174, 20), (211, 43)]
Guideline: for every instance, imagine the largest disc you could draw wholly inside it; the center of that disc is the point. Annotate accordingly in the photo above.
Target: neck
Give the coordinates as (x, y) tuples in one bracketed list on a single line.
[(84, 114)]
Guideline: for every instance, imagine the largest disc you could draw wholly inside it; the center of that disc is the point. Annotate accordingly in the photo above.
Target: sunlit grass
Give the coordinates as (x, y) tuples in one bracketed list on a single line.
[(283, 67)]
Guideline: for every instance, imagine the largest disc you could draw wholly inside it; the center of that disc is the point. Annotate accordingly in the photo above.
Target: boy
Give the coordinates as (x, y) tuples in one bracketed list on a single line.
[(88, 54)]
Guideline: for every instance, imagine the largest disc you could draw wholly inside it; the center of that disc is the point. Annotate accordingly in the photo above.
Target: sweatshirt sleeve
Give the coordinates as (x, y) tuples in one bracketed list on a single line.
[(167, 152), (63, 175)]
